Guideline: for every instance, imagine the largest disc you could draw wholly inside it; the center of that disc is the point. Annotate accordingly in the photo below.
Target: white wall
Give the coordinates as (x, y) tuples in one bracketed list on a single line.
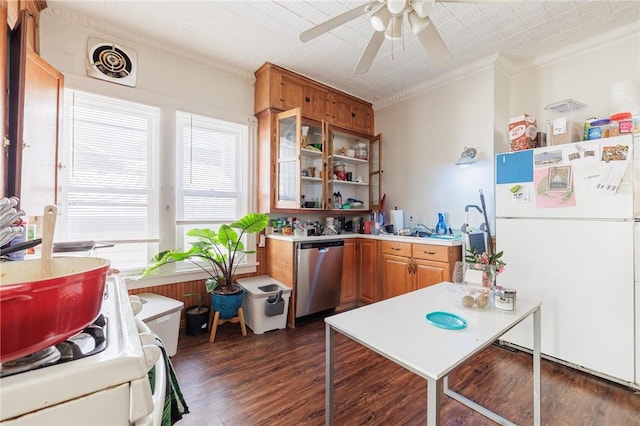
[(164, 81), (586, 77), (423, 137)]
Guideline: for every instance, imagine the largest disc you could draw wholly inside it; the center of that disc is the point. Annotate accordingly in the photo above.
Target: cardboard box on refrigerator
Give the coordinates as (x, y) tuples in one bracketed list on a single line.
[(522, 132)]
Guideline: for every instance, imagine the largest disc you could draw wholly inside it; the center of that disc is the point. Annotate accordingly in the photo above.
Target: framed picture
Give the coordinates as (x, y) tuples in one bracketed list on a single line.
[(559, 178)]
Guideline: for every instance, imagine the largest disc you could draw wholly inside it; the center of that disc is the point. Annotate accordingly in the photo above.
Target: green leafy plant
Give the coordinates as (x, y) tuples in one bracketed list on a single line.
[(474, 256), (201, 298), (221, 252)]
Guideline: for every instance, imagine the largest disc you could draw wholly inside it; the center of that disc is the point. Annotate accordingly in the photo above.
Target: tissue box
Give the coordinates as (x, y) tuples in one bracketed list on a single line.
[(522, 132)]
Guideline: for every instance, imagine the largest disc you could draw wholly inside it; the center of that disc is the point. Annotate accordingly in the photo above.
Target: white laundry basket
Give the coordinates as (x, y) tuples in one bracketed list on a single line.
[(262, 312), (162, 316)]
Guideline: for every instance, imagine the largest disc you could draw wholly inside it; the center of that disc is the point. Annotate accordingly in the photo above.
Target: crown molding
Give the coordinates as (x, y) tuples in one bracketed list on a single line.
[(126, 35), (439, 80), (581, 47), (503, 64)]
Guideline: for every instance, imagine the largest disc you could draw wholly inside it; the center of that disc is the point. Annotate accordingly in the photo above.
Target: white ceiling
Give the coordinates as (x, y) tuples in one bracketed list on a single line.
[(240, 35)]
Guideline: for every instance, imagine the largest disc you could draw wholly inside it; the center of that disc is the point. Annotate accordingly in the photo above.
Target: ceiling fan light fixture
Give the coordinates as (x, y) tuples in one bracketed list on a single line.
[(422, 7), (380, 19), (394, 29), (396, 6), (416, 23)]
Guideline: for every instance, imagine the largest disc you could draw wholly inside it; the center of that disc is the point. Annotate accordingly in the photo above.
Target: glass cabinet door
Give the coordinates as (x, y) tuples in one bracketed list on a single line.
[(375, 173), (348, 170), (288, 136), (300, 162), (312, 165)]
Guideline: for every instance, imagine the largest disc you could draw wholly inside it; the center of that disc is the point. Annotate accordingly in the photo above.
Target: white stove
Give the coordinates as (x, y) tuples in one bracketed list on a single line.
[(110, 386)]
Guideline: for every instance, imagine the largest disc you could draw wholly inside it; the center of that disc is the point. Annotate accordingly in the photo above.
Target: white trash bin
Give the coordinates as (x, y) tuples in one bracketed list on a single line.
[(162, 316), (264, 306)]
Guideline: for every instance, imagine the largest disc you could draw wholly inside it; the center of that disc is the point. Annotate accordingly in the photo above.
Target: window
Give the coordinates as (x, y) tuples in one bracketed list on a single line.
[(212, 170), (109, 190)]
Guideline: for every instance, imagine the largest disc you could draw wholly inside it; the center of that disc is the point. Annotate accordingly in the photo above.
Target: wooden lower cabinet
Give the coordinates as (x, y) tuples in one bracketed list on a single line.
[(280, 260), (397, 276), (349, 273), (367, 258), (409, 266), (427, 273)]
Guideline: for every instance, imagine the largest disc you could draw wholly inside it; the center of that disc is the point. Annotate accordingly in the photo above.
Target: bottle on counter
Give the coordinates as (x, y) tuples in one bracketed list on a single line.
[(411, 225), (441, 226)]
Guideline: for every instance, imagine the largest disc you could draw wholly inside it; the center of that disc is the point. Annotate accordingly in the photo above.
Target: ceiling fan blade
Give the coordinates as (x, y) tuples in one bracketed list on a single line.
[(369, 53), (336, 21), (434, 45)]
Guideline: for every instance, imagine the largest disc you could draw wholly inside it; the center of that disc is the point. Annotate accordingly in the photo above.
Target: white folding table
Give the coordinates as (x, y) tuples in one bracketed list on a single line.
[(397, 329)]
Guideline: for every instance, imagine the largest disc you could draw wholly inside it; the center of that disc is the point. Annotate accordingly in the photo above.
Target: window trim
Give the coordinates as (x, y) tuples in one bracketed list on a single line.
[(168, 175)]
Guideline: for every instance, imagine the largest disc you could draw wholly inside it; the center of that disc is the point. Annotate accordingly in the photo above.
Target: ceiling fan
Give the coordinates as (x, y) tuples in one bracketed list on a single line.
[(387, 20)]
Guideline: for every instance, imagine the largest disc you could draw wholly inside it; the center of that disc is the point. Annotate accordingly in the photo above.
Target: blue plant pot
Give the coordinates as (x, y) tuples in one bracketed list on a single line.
[(227, 304)]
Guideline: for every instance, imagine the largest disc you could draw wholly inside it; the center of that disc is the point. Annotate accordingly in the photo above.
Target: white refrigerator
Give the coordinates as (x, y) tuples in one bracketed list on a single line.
[(567, 221)]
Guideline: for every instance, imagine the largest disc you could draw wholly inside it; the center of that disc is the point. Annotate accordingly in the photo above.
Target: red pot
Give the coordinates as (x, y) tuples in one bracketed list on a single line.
[(37, 312)]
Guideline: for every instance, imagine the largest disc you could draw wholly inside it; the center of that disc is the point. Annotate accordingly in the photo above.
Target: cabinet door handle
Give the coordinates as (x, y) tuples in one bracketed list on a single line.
[(429, 252), (353, 114), (395, 248), (306, 99), (61, 166), (25, 145)]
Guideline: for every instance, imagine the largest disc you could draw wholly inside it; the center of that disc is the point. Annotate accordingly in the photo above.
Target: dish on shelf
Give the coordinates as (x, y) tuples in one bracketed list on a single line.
[(313, 148)]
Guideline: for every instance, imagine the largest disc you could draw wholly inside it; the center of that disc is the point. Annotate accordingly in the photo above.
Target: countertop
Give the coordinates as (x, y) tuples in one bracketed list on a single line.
[(383, 237)]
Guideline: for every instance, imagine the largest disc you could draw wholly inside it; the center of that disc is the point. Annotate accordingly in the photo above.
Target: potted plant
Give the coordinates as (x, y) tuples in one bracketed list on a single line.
[(197, 316), (491, 265), (218, 254)]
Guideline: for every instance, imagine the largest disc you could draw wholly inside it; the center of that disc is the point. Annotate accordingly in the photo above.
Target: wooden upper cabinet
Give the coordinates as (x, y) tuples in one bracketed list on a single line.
[(314, 103), (34, 7), (297, 92), (35, 117), (292, 92), (281, 89), (268, 89), (362, 117), (350, 113)]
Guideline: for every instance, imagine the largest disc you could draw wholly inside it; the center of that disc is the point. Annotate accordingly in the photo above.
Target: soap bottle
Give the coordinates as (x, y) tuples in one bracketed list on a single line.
[(411, 226), (441, 226)]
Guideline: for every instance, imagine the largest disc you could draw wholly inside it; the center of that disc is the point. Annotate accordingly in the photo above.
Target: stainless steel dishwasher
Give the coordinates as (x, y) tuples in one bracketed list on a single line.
[(318, 277)]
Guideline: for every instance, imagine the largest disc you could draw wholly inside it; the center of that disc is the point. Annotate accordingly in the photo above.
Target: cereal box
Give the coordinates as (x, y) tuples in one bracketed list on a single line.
[(522, 132)]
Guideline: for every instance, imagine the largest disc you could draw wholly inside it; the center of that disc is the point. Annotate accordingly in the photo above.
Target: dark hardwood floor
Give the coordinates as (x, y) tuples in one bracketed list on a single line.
[(277, 378)]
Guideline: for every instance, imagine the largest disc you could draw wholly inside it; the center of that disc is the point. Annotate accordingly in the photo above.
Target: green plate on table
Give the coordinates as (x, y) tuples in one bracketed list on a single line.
[(446, 320)]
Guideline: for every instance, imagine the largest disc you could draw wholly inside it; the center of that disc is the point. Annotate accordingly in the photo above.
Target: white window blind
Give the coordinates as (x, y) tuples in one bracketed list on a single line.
[(213, 170), (109, 189)]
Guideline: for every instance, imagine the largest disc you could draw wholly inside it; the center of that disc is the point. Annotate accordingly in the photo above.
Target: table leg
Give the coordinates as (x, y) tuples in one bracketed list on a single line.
[(328, 376), (434, 394), (536, 367)]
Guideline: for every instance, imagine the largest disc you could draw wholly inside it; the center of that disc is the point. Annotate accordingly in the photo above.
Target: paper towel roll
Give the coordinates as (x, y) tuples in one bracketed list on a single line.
[(397, 219)]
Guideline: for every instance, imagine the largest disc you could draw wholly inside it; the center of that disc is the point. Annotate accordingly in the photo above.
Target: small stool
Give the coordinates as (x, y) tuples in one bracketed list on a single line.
[(217, 321)]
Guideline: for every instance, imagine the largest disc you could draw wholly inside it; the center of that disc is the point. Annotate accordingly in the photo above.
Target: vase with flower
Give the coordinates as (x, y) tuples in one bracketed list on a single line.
[(489, 265)]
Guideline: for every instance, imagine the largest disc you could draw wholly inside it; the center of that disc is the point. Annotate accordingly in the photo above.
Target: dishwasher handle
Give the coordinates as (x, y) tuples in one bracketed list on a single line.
[(322, 245)]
